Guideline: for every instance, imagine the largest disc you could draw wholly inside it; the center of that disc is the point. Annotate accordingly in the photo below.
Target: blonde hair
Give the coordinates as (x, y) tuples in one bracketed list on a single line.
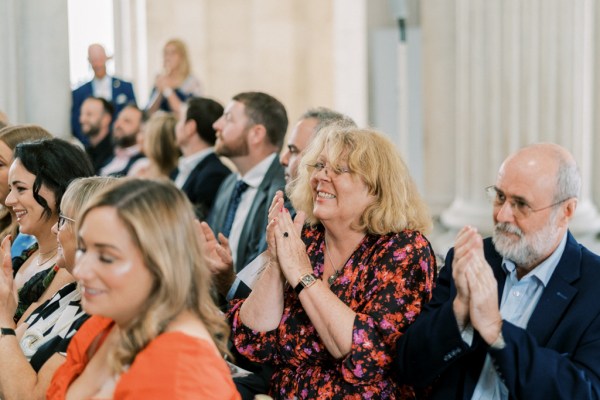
[(160, 220), (373, 158), (15, 134), (80, 191), (184, 68), (159, 142)]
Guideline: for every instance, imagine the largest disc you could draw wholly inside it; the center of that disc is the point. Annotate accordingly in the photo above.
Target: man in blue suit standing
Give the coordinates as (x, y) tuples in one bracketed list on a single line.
[(117, 91), (515, 316)]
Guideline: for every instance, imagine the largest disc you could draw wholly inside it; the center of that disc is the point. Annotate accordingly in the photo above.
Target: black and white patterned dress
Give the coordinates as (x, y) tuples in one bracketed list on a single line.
[(52, 325)]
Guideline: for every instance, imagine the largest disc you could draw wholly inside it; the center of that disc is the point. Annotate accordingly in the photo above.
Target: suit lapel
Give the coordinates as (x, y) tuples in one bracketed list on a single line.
[(495, 261), (558, 294), (194, 172), (250, 225)]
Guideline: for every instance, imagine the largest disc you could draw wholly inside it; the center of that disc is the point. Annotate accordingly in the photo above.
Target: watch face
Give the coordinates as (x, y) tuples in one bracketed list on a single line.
[(307, 279)]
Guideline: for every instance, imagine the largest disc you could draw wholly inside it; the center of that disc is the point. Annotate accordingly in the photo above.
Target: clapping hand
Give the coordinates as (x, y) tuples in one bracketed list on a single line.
[(477, 289), (8, 291), (217, 255), (283, 234)]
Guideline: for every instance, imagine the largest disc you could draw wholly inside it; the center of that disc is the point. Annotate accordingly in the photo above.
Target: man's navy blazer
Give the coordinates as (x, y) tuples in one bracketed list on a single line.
[(556, 357), (203, 183), (251, 242), (122, 94)]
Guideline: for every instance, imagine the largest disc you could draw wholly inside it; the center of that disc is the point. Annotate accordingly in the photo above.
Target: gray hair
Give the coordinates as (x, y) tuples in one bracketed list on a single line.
[(568, 180), (327, 116)]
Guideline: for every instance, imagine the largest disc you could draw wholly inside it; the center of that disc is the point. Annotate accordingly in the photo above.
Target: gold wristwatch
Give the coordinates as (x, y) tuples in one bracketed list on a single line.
[(306, 280)]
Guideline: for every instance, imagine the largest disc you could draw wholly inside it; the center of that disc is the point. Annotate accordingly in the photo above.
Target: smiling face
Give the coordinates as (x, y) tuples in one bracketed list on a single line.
[(29, 213), (6, 158), (67, 242), (340, 197), (110, 268)]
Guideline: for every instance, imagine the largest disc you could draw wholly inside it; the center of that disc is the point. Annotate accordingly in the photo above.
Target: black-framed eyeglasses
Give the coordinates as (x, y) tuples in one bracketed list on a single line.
[(62, 219), (519, 206), (320, 166)]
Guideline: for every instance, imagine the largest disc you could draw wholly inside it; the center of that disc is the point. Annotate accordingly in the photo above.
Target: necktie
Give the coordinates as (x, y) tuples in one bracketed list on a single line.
[(236, 197)]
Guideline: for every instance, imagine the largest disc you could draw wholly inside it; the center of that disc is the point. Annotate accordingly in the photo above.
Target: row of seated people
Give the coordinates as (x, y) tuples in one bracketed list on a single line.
[(333, 295)]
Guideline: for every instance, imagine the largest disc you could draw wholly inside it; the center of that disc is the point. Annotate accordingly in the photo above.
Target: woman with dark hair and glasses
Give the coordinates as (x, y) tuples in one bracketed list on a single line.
[(38, 178), (39, 344)]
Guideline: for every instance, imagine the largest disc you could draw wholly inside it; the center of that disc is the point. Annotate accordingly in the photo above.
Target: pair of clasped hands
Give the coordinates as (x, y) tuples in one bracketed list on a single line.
[(285, 248), (476, 300)]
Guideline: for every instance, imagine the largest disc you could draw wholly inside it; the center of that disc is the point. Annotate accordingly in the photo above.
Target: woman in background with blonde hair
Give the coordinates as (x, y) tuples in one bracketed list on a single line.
[(158, 144), (176, 82), (155, 331)]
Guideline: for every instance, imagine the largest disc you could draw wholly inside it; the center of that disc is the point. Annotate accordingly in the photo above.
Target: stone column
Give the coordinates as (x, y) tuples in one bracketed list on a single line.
[(523, 75), (34, 67)]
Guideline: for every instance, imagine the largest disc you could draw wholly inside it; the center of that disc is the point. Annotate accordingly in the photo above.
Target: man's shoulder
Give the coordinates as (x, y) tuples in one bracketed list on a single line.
[(275, 176), (119, 81), (83, 88)]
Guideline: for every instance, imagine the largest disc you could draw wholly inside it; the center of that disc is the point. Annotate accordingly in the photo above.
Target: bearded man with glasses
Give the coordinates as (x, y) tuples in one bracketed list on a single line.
[(516, 315)]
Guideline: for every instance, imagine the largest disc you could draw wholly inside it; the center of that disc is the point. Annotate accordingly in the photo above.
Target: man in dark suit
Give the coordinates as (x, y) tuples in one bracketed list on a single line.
[(250, 133), (115, 90), (200, 172), (516, 316)]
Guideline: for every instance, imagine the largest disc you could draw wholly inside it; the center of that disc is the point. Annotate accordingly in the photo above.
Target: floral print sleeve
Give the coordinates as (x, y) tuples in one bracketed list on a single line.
[(385, 282), (398, 279)]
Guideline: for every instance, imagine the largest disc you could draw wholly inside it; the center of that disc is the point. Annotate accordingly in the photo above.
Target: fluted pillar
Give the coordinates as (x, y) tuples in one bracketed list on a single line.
[(523, 75), (34, 67)]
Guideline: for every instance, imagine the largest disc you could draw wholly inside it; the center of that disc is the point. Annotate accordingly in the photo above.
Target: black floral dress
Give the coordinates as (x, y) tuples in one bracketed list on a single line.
[(385, 282), (33, 289)]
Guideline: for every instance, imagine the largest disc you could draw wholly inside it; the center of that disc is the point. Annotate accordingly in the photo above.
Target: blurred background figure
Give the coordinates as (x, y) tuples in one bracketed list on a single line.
[(95, 121), (117, 91), (159, 147), (3, 120), (124, 138), (176, 83)]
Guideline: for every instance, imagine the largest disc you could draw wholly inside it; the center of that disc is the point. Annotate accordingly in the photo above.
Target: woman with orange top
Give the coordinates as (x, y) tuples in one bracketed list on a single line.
[(155, 332)]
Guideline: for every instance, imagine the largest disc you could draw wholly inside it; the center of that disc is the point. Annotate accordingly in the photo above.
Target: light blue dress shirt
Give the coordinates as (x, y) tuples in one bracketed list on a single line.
[(519, 299)]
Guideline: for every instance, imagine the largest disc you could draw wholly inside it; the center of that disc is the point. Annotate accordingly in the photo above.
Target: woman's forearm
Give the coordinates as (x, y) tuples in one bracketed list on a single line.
[(262, 310)]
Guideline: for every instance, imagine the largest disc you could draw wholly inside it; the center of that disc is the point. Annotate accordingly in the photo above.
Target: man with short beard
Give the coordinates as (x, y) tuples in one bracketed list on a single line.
[(127, 150), (516, 315), (250, 133), (95, 120)]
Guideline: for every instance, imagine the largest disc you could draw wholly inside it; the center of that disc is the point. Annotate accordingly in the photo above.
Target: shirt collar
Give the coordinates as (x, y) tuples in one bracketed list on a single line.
[(544, 271), (104, 80), (255, 176), (127, 151), (189, 163)]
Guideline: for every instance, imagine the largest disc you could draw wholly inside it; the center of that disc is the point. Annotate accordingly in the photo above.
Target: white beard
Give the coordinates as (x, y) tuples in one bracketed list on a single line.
[(528, 249)]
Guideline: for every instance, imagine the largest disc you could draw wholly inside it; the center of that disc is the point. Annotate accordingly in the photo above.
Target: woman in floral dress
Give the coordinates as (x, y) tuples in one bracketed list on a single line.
[(345, 278)]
